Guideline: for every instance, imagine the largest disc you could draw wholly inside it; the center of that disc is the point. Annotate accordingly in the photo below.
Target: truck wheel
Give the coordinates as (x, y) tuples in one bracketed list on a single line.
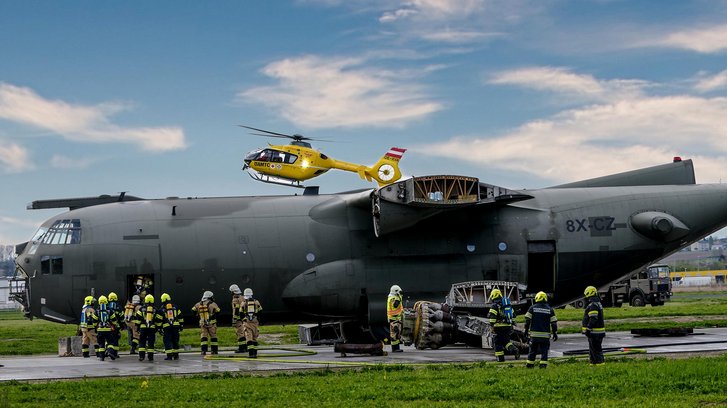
[(638, 301)]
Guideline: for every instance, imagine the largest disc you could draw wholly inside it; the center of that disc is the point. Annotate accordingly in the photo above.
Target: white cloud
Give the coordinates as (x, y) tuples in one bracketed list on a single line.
[(616, 134), (82, 123), (14, 158), (562, 81), (315, 92), (706, 83), (434, 10), (705, 40)]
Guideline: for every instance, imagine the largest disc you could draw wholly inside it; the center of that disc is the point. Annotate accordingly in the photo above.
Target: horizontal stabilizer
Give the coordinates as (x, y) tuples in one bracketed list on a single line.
[(677, 173)]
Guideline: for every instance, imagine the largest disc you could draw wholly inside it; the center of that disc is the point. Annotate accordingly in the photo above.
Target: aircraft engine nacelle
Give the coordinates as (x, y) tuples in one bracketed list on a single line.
[(659, 226)]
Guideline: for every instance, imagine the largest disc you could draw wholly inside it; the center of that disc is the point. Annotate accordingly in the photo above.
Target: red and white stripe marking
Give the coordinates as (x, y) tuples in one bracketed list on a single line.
[(395, 152)]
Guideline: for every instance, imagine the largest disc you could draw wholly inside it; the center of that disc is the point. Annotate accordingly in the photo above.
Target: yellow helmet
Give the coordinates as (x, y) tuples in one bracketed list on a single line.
[(102, 300), (113, 297), (165, 297), (88, 300), (590, 291), (495, 294), (541, 297), (149, 299)]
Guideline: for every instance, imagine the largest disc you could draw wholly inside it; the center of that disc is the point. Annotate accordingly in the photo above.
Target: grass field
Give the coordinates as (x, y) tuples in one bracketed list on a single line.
[(660, 383), (622, 382)]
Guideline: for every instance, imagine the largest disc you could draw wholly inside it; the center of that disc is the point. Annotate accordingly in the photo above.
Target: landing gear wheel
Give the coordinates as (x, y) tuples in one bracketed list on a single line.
[(638, 301)]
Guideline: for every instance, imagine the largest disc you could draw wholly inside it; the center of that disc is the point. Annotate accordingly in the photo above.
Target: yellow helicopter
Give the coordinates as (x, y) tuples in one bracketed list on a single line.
[(292, 164)]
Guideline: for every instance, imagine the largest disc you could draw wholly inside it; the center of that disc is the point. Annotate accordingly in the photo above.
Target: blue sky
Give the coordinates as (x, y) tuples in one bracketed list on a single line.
[(145, 97)]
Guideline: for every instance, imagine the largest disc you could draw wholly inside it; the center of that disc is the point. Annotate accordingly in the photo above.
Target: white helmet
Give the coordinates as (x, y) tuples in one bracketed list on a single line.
[(235, 289), (135, 299), (207, 295), (395, 290), (248, 293)]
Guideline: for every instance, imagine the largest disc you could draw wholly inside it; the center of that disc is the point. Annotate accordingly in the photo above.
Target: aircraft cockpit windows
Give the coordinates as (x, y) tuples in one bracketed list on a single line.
[(51, 265), (63, 232), (290, 158)]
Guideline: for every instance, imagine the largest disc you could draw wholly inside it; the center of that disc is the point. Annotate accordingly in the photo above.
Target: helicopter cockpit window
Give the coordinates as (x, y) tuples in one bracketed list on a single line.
[(63, 232), (290, 158)]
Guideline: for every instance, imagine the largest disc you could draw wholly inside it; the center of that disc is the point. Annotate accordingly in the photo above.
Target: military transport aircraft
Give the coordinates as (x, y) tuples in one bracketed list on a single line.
[(334, 256), (291, 164)]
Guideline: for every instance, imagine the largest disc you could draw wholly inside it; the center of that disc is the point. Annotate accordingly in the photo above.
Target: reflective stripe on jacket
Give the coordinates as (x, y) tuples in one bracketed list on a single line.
[(394, 308)]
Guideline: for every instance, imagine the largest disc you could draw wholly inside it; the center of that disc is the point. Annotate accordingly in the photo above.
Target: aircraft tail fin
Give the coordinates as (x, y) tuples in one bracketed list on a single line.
[(386, 170)]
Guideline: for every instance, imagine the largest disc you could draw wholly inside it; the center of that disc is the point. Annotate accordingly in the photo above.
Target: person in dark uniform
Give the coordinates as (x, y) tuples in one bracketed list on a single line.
[(593, 325), (172, 325), (540, 325)]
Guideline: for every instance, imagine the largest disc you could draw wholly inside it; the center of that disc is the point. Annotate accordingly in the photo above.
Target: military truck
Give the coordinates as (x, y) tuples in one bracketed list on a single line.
[(650, 285)]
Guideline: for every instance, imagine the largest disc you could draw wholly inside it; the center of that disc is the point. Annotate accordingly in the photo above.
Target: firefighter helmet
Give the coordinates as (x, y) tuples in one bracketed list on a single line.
[(495, 294), (590, 291), (541, 297), (165, 297), (135, 299), (395, 290), (207, 295), (113, 297), (149, 299), (235, 289), (88, 300), (247, 293), (102, 300)]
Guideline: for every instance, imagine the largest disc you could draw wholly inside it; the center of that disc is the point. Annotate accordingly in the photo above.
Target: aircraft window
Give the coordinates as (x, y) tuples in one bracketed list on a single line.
[(39, 234), (291, 158), (278, 157), (56, 266), (51, 265), (63, 232), (45, 265)]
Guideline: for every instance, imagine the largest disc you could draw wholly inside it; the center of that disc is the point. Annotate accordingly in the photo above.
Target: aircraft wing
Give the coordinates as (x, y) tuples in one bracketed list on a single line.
[(80, 202)]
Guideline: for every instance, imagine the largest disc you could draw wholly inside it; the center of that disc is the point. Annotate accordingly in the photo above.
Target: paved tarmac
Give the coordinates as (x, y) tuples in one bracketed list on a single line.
[(318, 357)]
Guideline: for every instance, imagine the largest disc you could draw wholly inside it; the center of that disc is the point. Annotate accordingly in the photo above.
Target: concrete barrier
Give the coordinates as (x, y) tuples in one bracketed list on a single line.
[(71, 347)]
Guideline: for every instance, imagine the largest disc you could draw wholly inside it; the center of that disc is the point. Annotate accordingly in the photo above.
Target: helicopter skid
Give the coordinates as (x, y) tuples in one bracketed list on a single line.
[(275, 180)]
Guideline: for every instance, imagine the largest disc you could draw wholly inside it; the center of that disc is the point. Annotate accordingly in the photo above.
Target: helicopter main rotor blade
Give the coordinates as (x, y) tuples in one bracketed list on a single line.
[(268, 132)]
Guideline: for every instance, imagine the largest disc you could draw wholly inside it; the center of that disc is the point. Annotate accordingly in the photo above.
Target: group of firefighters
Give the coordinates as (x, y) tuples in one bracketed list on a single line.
[(540, 325), (103, 320), (101, 326)]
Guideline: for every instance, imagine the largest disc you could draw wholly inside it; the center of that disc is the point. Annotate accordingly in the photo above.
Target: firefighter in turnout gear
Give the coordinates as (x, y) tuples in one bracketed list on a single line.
[(89, 321), (249, 310), (172, 325), (395, 315), (116, 308), (593, 325), (237, 319), (540, 325), (501, 317), (132, 329), (148, 321), (108, 326), (207, 311)]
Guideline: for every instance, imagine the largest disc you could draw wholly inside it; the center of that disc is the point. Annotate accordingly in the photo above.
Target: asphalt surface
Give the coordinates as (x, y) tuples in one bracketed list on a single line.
[(300, 357)]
